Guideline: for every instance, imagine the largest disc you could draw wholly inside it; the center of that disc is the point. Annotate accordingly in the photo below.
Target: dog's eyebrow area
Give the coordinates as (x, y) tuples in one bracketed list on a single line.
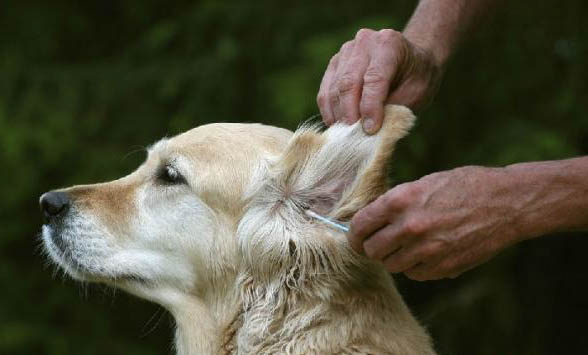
[(166, 162)]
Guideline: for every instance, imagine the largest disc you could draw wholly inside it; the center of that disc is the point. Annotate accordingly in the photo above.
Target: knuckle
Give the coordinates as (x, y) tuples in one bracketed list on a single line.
[(333, 95), (321, 99), (334, 59), (403, 200), (388, 32), (412, 190), (368, 108), (347, 46), (360, 226), (363, 33), (371, 106), (357, 221), (389, 36), (358, 230), (414, 226), (373, 77), (408, 193), (346, 84), (388, 199), (400, 195)]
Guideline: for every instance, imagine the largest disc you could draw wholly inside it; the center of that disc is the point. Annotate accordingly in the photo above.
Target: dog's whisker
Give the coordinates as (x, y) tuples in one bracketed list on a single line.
[(137, 148), (158, 312)]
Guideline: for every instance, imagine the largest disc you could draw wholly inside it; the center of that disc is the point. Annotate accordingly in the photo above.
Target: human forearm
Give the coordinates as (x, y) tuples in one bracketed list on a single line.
[(448, 222), (552, 196), (439, 25)]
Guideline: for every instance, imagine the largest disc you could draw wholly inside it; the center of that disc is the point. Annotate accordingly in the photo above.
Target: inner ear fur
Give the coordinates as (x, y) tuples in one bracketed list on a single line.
[(372, 180), (339, 171)]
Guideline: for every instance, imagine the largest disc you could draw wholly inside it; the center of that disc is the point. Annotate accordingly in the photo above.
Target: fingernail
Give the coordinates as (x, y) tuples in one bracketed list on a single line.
[(368, 125)]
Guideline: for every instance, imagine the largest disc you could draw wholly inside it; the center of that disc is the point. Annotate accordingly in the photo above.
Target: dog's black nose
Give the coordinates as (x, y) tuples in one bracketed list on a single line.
[(53, 204)]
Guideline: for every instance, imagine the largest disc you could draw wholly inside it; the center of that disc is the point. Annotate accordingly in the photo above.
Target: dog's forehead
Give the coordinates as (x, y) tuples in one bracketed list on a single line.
[(222, 162), (224, 139)]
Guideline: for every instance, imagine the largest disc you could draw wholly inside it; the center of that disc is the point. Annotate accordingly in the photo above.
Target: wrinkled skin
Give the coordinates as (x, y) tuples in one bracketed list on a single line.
[(441, 225), (375, 68)]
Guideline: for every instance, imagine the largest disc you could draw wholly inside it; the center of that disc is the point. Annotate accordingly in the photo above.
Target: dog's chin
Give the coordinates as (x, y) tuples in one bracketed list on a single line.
[(61, 254)]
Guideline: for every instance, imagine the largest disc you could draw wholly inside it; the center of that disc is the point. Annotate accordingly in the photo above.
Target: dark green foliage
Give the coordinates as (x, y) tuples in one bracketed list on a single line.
[(83, 85)]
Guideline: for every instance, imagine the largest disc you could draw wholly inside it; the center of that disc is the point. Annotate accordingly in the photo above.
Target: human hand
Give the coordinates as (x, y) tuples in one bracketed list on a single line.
[(377, 68), (443, 224)]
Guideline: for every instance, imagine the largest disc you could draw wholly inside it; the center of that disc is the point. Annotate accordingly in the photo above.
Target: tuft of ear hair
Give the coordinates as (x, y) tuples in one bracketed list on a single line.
[(341, 170)]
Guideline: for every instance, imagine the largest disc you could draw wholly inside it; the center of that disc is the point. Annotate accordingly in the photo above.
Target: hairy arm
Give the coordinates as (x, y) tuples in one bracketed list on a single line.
[(557, 196), (440, 25), (386, 66), (449, 222)]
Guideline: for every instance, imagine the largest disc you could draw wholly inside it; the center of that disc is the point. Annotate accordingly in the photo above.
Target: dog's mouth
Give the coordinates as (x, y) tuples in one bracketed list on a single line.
[(54, 235), (72, 260), (59, 252)]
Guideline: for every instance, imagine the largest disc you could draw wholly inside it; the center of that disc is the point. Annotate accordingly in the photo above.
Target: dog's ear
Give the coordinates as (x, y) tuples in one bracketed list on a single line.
[(335, 173), (339, 171)]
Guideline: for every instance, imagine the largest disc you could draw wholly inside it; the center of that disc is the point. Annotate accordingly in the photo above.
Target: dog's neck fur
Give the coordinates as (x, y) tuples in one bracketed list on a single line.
[(201, 318), (326, 309), (323, 309), (197, 328)]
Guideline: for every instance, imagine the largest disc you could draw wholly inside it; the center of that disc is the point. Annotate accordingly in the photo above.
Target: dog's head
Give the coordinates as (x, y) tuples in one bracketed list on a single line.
[(204, 198)]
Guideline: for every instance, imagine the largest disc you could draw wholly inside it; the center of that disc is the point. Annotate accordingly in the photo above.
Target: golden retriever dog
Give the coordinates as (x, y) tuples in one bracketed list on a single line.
[(213, 228)]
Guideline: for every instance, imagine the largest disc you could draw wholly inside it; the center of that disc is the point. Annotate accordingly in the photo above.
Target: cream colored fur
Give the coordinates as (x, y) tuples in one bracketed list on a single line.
[(228, 249)]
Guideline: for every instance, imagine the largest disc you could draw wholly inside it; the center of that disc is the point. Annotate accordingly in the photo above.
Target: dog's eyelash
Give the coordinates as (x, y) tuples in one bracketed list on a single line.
[(170, 175)]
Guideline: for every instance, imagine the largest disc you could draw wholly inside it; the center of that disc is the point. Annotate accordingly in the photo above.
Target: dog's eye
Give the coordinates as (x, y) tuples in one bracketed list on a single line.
[(170, 175)]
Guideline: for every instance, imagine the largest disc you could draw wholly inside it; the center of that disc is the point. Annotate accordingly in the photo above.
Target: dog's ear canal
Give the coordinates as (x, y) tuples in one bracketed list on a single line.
[(338, 172)]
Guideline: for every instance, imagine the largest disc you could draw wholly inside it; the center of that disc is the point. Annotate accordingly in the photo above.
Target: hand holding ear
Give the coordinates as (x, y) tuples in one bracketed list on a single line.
[(443, 224), (376, 68)]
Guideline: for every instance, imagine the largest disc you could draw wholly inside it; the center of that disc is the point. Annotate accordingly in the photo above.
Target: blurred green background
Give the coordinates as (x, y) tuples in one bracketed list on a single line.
[(85, 84)]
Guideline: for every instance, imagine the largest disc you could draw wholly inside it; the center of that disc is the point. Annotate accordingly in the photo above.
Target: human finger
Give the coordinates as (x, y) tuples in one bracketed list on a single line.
[(378, 78), (407, 257), (383, 242), (333, 91), (349, 78), (322, 98), (368, 220), (429, 270)]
